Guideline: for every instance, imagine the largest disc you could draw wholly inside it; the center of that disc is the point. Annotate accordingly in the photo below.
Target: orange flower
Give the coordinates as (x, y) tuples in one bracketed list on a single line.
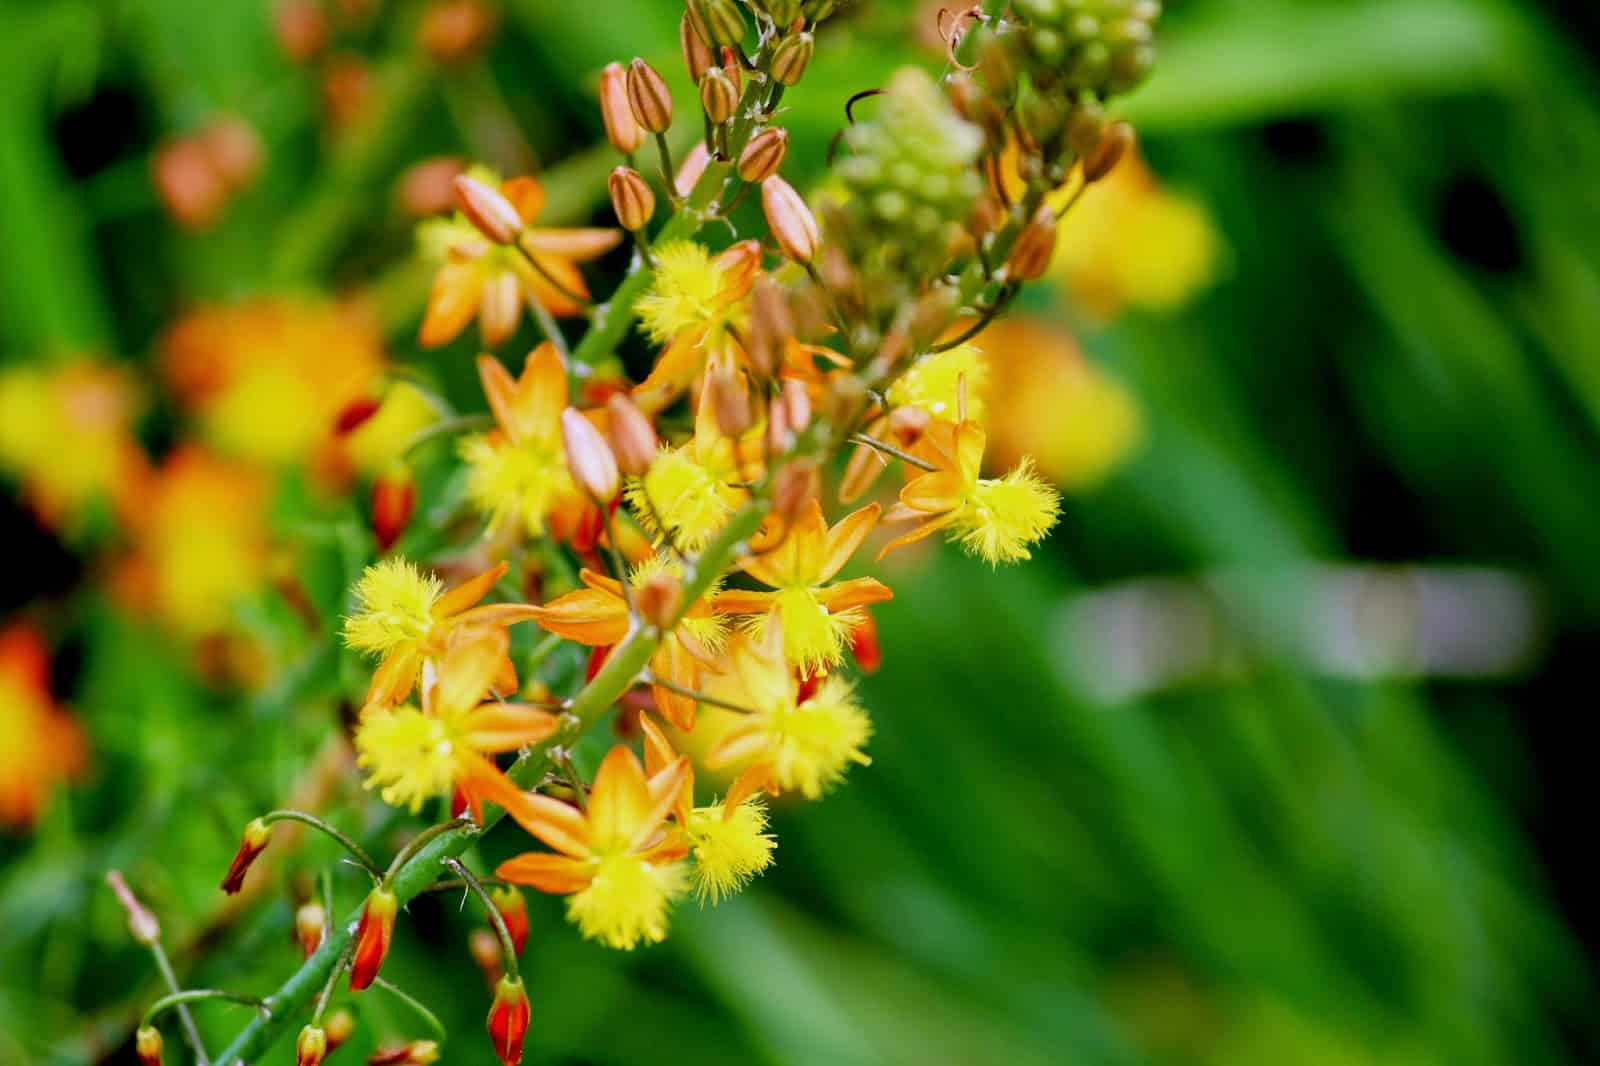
[(697, 305), (408, 619), (613, 859), (489, 281), (597, 615), (817, 618), (40, 744)]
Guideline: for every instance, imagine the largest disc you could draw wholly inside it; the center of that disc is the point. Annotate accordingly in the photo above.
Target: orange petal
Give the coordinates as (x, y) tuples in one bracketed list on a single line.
[(970, 442), (475, 588), (600, 582), (579, 245), (494, 615), (659, 758), (552, 297), (560, 825), (587, 616), (742, 601), (865, 464), (747, 784), (740, 263), (741, 743), (526, 195), (466, 673), (857, 592), (927, 528), (452, 302), (665, 790), (619, 801), (495, 727), (674, 663), (845, 537), (933, 493), (542, 394), (548, 873), (395, 677), (501, 392)]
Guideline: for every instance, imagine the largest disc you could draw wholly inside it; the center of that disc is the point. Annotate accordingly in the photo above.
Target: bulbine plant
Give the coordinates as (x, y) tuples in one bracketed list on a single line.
[(692, 502)]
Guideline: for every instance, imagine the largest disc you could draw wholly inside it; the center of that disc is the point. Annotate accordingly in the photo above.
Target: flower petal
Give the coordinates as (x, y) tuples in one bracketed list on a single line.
[(619, 801), (548, 873), (929, 527), (453, 300), (587, 616), (496, 727), (743, 601), (857, 592), (579, 245), (845, 537), (474, 588), (526, 194)]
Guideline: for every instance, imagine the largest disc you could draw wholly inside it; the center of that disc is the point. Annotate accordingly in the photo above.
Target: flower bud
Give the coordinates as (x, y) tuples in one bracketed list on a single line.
[(689, 171), (1085, 125), (791, 221), (147, 1044), (696, 52), (781, 12), (454, 31), (513, 908), (415, 1053), (730, 401), (487, 209), (817, 10), (796, 484), (721, 20), (796, 404), (1115, 141), (791, 57), (718, 96), (771, 326), (311, 1047), (257, 835), (907, 424), (633, 439), (373, 935), (484, 947), (394, 500), (190, 188), (659, 598), (589, 457), (425, 188), (508, 1020), (631, 198), (310, 925), (1030, 256), (340, 1026), (763, 154), (616, 112), (235, 150), (864, 646), (301, 28), (649, 97)]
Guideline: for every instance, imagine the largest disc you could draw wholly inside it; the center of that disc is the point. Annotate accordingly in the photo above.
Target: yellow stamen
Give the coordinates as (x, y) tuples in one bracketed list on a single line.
[(729, 849), (627, 901), (395, 607), (1003, 518), (409, 757)]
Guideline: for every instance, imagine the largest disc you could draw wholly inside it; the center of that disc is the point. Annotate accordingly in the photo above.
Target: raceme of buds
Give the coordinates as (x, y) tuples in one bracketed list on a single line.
[(730, 401), (487, 209), (616, 112), (257, 835), (147, 1044), (791, 57), (719, 97), (508, 1019), (373, 935), (589, 457), (513, 908), (720, 19), (311, 1047), (633, 439), (340, 1026), (631, 198), (394, 500), (649, 97), (414, 1053), (659, 598), (1115, 141), (697, 55), (763, 154), (793, 225), (1030, 255), (310, 924)]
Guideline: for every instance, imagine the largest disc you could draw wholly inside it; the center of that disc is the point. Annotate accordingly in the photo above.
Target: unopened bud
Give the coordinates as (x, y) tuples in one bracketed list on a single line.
[(793, 225), (492, 214), (484, 947), (689, 171), (1115, 142), (394, 501), (864, 645), (697, 55), (763, 154), (508, 1020), (817, 10), (310, 924), (631, 198), (340, 1026), (796, 484), (796, 404), (730, 401), (589, 457), (1085, 124), (781, 12), (235, 150), (147, 1045), (1030, 256), (771, 326), (427, 188), (649, 97), (791, 57), (633, 439), (658, 599), (718, 96), (311, 1047), (301, 28), (721, 20), (908, 424), (257, 835), (415, 1053), (454, 31), (513, 908), (373, 936), (190, 188), (780, 438), (142, 923), (616, 112)]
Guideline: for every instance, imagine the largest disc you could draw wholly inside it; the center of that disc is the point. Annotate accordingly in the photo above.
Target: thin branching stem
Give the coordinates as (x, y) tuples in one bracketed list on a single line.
[(508, 947), (888, 449), (305, 818)]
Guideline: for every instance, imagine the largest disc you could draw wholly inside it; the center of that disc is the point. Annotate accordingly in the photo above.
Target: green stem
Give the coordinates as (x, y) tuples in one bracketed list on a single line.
[(508, 947), (178, 999), (356, 850), (417, 843), (191, 1031), (416, 1005)]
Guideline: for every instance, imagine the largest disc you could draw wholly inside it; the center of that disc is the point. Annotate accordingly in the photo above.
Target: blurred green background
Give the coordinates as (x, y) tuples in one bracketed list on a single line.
[(1274, 755)]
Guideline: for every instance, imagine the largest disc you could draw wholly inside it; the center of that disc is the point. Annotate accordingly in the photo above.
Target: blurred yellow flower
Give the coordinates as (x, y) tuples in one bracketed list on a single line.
[(40, 744)]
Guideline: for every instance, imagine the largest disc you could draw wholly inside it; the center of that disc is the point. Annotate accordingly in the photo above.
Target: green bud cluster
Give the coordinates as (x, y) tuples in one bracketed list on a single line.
[(1103, 47)]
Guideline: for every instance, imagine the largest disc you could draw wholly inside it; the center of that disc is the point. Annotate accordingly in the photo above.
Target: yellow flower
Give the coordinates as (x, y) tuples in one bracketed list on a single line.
[(407, 619), (40, 744), (815, 617), (413, 755), (618, 869), (940, 380), (518, 472), (997, 519), (697, 307)]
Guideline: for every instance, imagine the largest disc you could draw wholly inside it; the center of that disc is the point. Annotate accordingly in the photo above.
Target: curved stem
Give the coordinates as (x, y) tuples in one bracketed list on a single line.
[(191, 1031), (888, 449), (508, 947), (417, 843), (178, 999), (699, 697), (356, 850), (415, 1004)]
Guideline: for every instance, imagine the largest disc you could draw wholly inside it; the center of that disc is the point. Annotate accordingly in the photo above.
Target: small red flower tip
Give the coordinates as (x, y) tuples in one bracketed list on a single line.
[(597, 659), (508, 1020), (372, 937), (864, 645), (257, 835), (416, 1053), (458, 803), (312, 1046), (513, 908), (394, 500), (810, 682), (340, 1026), (355, 413), (147, 1042), (310, 923)]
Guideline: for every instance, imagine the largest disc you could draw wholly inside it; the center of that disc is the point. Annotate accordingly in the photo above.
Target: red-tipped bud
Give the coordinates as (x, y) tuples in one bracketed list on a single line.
[(494, 216), (189, 186), (340, 1026), (718, 96), (864, 646), (426, 188), (416, 1053), (633, 439), (310, 926), (792, 56), (658, 599), (631, 198), (311, 1047), (696, 52), (235, 150), (908, 424), (1115, 142), (793, 225), (508, 1020), (763, 155), (615, 111), (589, 457), (394, 500), (355, 414), (1036, 244), (147, 1044), (373, 935), (257, 835), (649, 97), (486, 952), (513, 908)]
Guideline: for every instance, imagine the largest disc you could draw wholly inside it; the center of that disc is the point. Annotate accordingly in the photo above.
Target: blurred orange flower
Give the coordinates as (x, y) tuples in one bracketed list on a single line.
[(40, 744)]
